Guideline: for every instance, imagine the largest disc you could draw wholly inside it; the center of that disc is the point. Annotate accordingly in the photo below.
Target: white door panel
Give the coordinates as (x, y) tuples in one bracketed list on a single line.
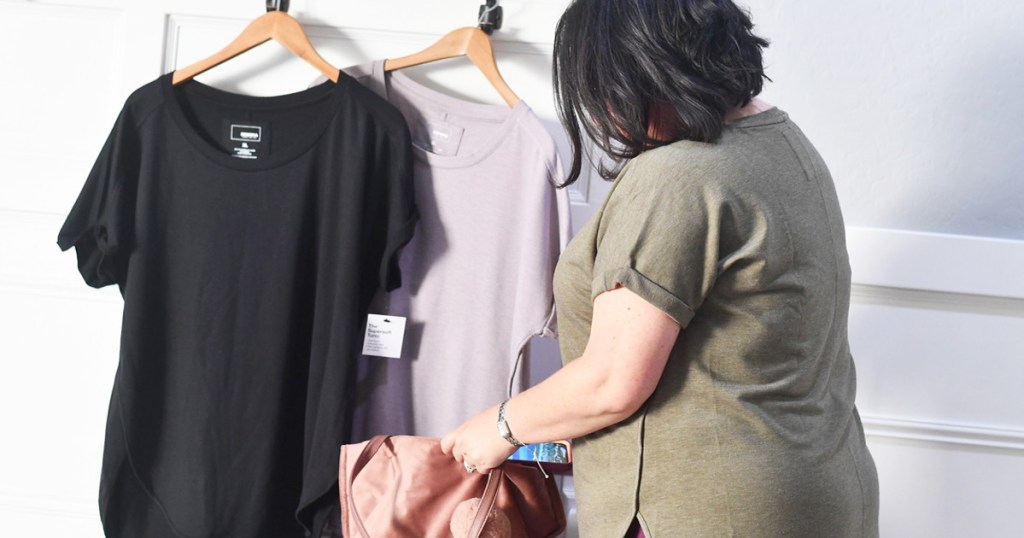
[(916, 120)]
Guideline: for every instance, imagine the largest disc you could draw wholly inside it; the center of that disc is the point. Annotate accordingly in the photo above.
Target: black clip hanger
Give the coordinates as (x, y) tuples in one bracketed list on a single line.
[(277, 5), (489, 17)]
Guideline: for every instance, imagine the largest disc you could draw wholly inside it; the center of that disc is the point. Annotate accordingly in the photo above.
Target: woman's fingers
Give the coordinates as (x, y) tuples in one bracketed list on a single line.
[(447, 442)]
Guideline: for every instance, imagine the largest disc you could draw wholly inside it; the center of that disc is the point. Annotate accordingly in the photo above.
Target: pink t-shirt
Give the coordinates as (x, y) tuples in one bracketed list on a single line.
[(477, 274)]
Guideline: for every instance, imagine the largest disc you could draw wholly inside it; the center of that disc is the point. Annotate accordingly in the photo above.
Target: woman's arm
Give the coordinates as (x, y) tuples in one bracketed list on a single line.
[(630, 341)]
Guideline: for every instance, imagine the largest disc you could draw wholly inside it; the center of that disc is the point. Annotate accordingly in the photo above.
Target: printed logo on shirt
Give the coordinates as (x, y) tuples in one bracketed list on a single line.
[(246, 133)]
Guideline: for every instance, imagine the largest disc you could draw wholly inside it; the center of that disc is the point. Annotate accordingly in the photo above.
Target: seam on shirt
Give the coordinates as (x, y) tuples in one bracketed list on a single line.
[(788, 134), (860, 483), (804, 162), (644, 526), (549, 150), (142, 485), (148, 112), (640, 475), (718, 445), (651, 291)]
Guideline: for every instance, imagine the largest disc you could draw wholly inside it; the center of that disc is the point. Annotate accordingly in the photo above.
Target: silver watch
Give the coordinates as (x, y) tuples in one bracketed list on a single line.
[(503, 428)]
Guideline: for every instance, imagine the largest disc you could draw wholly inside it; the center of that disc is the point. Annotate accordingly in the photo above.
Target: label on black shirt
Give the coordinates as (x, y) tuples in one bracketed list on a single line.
[(384, 336), (247, 139)]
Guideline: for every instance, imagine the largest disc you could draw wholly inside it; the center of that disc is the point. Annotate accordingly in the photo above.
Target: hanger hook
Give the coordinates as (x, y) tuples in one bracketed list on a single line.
[(277, 5), (490, 16)]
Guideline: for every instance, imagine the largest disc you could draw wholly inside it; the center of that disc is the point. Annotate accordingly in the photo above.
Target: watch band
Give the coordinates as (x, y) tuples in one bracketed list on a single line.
[(504, 430)]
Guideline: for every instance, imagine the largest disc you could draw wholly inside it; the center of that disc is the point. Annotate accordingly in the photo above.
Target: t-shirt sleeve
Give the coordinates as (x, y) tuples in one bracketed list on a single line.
[(99, 225), (401, 213), (658, 237)]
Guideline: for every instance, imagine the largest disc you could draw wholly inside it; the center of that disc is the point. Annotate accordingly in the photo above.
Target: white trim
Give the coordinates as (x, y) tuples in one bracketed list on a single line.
[(879, 427), (177, 21), (937, 300), (892, 267), (943, 433), (93, 6), (955, 264), (81, 292), (579, 192), (50, 507)]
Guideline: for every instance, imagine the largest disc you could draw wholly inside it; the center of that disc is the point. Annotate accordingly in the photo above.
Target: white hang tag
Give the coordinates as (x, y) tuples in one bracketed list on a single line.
[(384, 336)]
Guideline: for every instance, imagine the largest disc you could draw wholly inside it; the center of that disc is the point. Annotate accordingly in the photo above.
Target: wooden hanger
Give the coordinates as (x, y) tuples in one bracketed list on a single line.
[(276, 25), (469, 41)]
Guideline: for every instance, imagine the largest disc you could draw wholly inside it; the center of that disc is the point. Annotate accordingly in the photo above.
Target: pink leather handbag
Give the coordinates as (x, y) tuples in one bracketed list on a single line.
[(405, 487)]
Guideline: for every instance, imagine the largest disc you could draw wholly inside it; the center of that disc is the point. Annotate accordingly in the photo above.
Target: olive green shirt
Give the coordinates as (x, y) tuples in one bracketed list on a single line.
[(752, 429)]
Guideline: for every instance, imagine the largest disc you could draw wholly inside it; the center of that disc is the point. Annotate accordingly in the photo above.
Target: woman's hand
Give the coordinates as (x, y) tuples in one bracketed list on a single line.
[(630, 342), (476, 443)]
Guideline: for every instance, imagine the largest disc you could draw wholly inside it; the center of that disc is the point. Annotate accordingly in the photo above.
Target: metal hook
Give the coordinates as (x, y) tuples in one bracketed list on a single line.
[(277, 5), (490, 16)]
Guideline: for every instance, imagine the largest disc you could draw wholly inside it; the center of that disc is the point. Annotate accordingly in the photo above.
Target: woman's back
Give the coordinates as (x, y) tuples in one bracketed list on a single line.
[(752, 429)]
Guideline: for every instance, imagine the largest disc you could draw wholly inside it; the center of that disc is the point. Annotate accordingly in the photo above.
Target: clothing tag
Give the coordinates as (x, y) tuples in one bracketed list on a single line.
[(247, 139), (384, 336), (439, 138)]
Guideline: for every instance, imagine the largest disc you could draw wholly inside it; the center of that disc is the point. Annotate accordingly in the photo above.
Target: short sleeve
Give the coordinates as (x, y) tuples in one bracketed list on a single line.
[(99, 225), (401, 214), (658, 237)]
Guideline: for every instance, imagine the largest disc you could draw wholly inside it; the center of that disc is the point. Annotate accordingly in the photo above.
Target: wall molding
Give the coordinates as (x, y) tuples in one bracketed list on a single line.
[(50, 507), (937, 300), (968, 435), (890, 267), (175, 22), (81, 292), (94, 6), (958, 265), (33, 265), (957, 435)]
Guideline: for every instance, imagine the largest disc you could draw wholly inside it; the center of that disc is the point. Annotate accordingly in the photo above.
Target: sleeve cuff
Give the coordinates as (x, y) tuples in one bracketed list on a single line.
[(97, 257), (390, 274), (651, 292)]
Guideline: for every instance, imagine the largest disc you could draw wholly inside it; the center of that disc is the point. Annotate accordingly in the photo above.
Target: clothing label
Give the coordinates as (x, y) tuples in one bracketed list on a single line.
[(384, 336), (246, 139), (439, 138)]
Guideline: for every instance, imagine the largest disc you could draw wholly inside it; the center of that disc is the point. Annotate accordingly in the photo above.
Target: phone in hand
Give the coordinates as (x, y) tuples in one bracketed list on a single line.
[(557, 452)]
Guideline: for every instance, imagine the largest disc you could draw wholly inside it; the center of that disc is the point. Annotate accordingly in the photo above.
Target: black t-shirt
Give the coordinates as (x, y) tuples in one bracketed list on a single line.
[(248, 236)]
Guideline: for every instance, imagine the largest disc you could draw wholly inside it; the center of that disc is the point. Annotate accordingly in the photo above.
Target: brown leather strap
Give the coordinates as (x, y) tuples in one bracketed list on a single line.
[(490, 496), (369, 450)]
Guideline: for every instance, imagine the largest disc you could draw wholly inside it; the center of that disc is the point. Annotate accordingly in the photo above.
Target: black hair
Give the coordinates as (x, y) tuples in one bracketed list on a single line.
[(617, 61)]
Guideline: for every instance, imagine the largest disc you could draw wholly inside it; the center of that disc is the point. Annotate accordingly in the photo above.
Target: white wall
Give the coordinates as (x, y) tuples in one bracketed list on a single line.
[(911, 103), (914, 105)]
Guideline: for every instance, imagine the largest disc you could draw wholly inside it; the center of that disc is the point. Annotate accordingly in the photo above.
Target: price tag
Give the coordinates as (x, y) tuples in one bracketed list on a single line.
[(384, 336)]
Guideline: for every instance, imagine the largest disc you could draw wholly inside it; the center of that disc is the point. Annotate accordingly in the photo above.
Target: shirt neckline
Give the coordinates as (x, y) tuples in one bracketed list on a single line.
[(767, 117), (509, 117), (331, 93)]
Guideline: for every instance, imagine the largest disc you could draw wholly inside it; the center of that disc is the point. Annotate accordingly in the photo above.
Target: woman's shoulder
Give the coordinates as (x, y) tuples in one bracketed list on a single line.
[(681, 166)]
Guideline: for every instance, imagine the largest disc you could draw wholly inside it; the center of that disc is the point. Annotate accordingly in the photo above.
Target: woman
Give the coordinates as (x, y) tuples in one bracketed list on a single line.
[(708, 381)]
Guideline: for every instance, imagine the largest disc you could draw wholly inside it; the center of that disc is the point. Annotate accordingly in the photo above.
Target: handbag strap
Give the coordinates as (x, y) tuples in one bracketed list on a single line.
[(487, 501), (490, 496), (369, 450)]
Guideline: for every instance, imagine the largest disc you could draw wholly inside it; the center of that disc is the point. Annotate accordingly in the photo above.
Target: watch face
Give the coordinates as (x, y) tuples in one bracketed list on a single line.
[(503, 429)]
